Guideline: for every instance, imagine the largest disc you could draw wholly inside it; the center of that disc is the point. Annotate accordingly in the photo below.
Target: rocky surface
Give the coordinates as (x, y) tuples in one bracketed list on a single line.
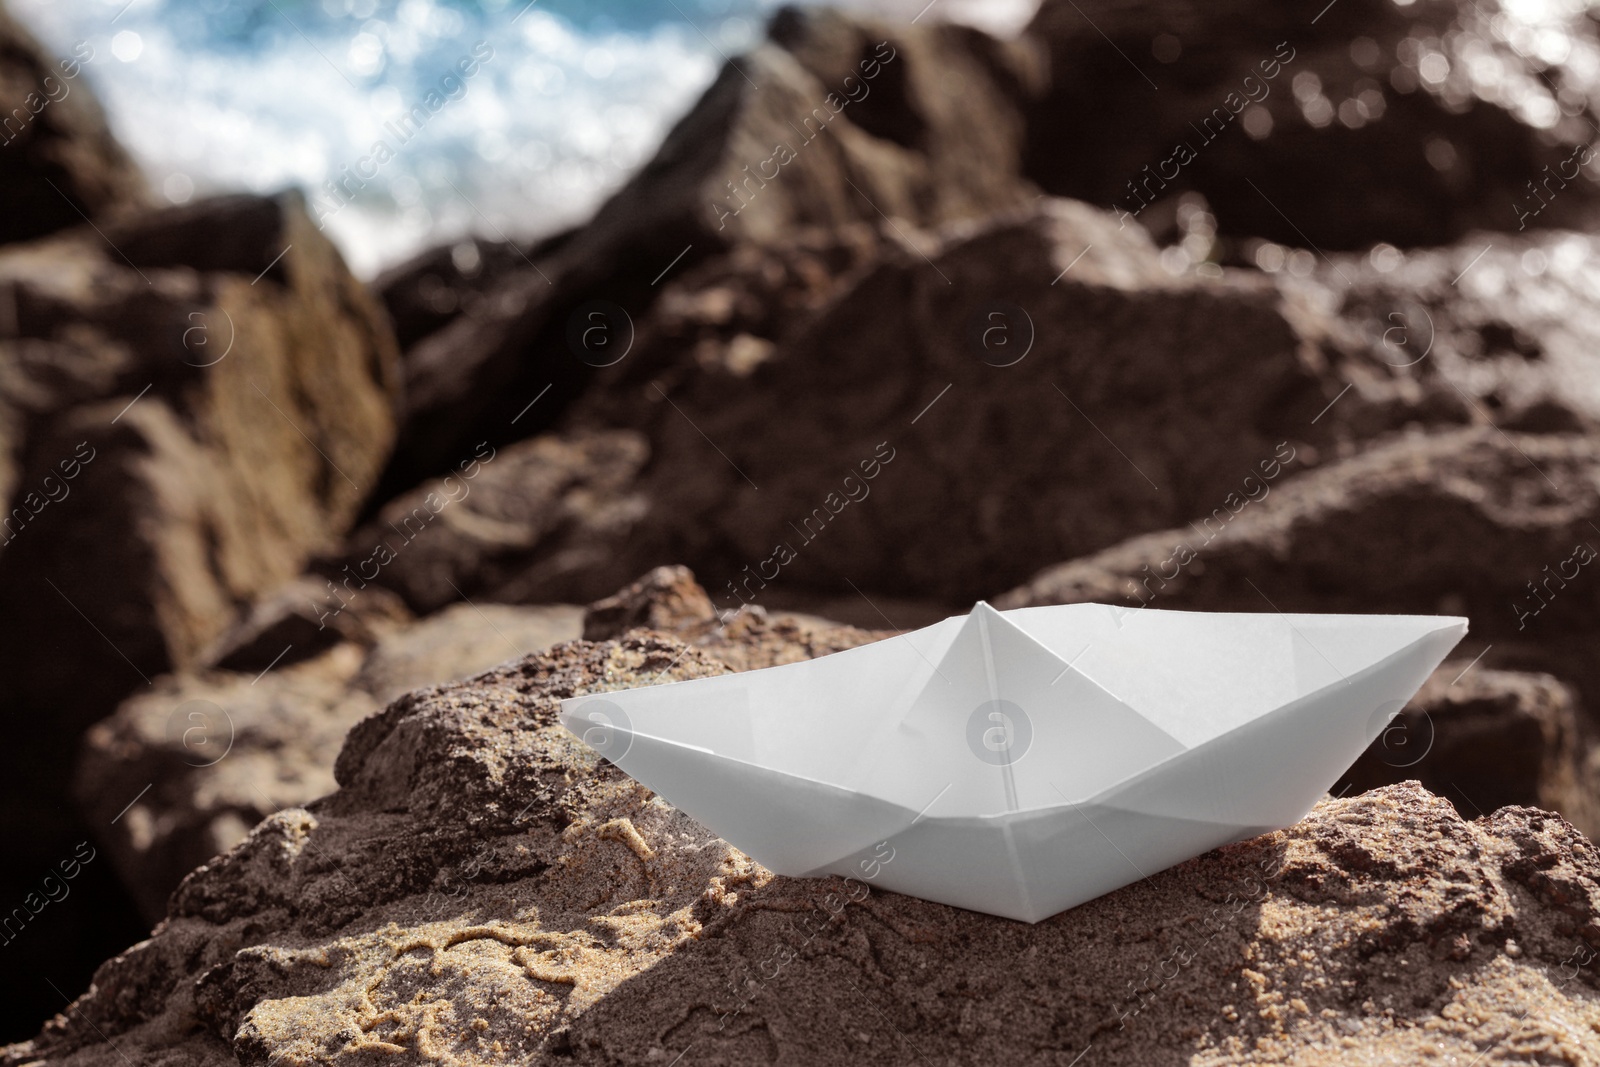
[(1478, 522), (920, 125), (481, 889), (872, 374), (1487, 739), (220, 750), (58, 160), (1447, 116), (434, 288), (192, 403), (883, 350), (1049, 325), (223, 404), (1496, 325), (1475, 522), (538, 521)]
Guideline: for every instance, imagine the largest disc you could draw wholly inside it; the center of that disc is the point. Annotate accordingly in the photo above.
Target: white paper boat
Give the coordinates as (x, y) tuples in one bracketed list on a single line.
[(1021, 762)]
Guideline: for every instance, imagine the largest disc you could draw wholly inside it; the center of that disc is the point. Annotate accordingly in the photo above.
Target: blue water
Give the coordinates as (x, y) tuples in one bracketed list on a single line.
[(564, 99)]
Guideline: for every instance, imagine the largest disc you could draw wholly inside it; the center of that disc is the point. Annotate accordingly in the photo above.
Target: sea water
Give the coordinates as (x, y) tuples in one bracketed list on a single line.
[(413, 122)]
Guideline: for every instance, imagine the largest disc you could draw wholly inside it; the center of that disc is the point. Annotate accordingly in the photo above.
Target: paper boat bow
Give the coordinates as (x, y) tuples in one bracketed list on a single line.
[(1021, 762)]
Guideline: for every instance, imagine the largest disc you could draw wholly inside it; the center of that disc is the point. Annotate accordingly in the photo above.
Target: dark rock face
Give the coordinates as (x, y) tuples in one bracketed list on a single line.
[(954, 368), (534, 522), (58, 160), (435, 287), (1460, 522), (180, 430), (481, 887), (1498, 326), (939, 140), (1371, 121), (1486, 739), (967, 353)]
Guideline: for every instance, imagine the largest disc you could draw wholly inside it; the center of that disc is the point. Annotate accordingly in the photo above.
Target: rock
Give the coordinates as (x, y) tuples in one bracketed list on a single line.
[(300, 621), (933, 136), (862, 337), (1449, 116), (220, 750), (58, 160), (460, 641), (535, 522), (1023, 367), (668, 599), (1487, 739), (226, 405), (1502, 326), (481, 887), (180, 431), (435, 287), (1463, 522)]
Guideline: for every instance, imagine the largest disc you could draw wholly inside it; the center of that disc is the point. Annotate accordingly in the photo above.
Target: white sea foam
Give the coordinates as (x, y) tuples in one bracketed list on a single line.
[(293, 92)]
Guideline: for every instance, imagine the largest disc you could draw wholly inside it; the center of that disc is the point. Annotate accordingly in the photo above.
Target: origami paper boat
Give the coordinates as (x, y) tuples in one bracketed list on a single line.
[(1022, 762)]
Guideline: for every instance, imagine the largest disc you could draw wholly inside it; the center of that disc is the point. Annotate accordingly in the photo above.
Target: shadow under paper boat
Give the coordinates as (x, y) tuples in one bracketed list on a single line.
[(1022, 762)]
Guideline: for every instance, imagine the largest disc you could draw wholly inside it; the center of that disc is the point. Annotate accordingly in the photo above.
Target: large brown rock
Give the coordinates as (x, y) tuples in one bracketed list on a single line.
[(532, 522), (917, 124), (194, 402), (1372, 120), (1476, 522), (234, 386), (1023, 366), (481, 888), (1012, 391), (220, 750), (58, 160)]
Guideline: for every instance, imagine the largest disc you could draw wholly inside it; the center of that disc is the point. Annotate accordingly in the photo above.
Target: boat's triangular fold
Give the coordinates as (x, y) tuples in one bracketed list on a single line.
[(1199, 675), (1270, 770), (1011, 725)]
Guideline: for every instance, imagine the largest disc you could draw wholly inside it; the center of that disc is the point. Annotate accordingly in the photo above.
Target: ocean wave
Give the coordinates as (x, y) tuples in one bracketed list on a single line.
[(565, 101)]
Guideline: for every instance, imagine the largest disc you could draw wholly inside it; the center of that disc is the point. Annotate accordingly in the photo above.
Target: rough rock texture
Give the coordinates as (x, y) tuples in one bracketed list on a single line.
[(1021, 368), (58, 160), (1440, 112), (533, 522), (1475, 522), (1500, 325), (669, 600), (933, 136), (221, 750), (180, 430), (1486, 739), (666, 599), (226, 411), (481, 890)]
